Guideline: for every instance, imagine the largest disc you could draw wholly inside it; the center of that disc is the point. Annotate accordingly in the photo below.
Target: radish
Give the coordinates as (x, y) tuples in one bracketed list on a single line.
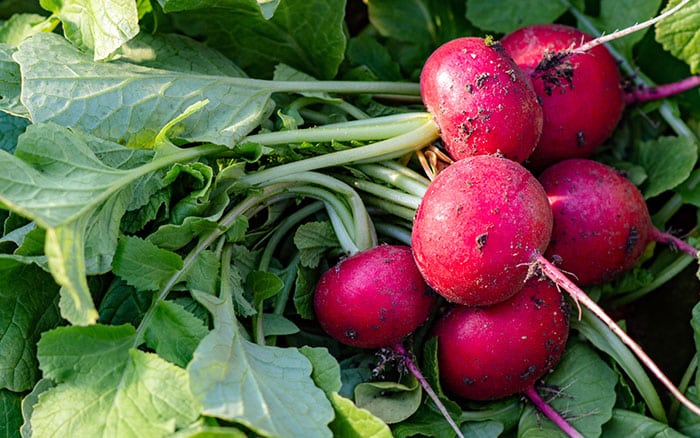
[(481, 101), (476, 228), (581, 93), (492, 352), (373, 298), (482, 226), (601, 221)]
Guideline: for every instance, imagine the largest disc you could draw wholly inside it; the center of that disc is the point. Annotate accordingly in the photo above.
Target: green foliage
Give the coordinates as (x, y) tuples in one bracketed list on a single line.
[(680, 35), (147, 288)]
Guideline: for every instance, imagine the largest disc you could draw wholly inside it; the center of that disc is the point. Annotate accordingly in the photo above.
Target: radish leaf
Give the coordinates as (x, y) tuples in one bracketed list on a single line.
[(98, 25), (265, 388), (107, 388), (680, 34)]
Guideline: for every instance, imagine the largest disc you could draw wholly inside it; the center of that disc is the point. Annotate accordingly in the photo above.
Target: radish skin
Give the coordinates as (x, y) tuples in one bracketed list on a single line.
[(481, 101)]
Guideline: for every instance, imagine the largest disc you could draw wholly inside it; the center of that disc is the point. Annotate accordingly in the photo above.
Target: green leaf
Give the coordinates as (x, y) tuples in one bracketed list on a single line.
[(21, 26), (10, 83), (619, 14), (314, 239), (199, 431), (143, 265), (28, 306), (326, 371), (267, 8), (135, 102), (55, 179), (512, 14), (174, 333), (10, 413), (123, 304), (427, 23), (668, 162), (263, 285), (689, 422), (11, 128), (587, 386), (350, 421), (306, 34), (304, 286), (628, 423), (97, 25), (265, 388), (391, 401), (680, 34), (30, 400), (176, 52), (353, 422), (105, 387)]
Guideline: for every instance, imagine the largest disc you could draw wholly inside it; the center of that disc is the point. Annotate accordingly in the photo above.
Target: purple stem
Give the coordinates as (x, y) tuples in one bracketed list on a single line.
[(551, 413), (674, 242), (413, 368), (658, 92), (581, 298)]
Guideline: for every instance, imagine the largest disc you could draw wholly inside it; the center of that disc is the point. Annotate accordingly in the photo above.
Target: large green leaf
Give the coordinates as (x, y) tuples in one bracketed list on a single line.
[(57, 180), (587, 395), (106, 388), (512, 14), (28, 306), (680, 33), (267, 7), (306, 34), (10, 413), (130, 104), (97, 25), (627, 423), (268, 389), (10, 82), (619, 14), (667, 170)]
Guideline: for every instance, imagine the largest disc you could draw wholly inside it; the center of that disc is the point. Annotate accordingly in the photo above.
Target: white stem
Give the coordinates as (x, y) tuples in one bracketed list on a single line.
[(628, 30)]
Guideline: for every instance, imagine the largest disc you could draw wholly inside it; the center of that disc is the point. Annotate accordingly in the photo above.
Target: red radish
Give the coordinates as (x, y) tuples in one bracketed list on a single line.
[(373, 298), (481, 225), (581, 93), (477, 227), (491, 352), (481, 101), (601, 221)]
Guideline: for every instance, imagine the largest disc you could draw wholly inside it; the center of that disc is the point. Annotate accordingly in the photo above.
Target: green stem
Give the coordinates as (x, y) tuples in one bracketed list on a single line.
[(377, 128), (397, 175), (283, 295), (341, 104), (282, 229), (397, 232), (342, 87), (356, 221), (404, 143), (688, 376), (390, 207), (250, 204), (668, 273), (384, 192)]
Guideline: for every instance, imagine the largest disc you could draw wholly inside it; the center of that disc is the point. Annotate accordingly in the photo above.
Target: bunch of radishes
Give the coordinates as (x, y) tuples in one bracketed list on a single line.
[(488, 232)]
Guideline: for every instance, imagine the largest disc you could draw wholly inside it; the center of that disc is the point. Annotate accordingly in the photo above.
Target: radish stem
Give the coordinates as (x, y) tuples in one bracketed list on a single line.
[(551, 413), (411, 365), (581, 297)]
